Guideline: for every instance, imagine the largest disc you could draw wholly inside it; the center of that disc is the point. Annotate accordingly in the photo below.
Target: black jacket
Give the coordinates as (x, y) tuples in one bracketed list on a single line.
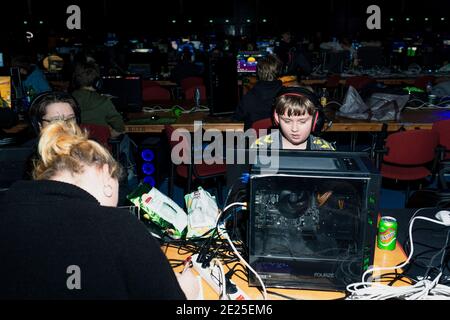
[(257, 104), (47, 226)]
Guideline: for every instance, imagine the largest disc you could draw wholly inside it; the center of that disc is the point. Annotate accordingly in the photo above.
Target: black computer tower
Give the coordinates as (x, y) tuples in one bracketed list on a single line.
[(223, 85), (312, 221)]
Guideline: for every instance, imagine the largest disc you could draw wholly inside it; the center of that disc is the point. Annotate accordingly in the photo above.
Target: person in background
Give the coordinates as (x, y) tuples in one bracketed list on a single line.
[(95, 108), (257, 103), (284, 50), (66, 239), (33, 78), (185, 67)]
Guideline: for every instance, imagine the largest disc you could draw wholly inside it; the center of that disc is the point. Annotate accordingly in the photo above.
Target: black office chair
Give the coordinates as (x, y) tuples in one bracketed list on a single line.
[(13, 165)]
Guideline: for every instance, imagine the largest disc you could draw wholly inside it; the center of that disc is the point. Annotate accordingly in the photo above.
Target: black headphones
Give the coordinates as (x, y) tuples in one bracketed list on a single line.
[(50, 97), (319, 117)]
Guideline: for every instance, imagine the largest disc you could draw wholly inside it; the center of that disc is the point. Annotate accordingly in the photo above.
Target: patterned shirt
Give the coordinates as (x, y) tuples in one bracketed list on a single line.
[(274, 140)]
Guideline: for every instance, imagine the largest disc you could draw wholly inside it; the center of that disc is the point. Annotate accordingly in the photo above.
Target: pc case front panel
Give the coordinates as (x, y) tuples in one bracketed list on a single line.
[(309, 231)]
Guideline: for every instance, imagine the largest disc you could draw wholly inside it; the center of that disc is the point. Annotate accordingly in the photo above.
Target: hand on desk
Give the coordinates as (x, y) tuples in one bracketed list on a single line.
[(190, 284)]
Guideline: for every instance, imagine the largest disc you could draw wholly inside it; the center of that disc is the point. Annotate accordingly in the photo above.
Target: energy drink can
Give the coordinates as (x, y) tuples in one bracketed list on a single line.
[(387, 233)]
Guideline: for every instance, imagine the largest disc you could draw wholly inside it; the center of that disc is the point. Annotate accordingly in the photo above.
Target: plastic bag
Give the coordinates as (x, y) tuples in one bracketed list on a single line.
[(202, 213), (379, 107), (161, 210)]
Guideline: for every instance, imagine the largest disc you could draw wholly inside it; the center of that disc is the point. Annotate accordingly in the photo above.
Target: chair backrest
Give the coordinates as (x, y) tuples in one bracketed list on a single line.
[(13, 164), (190, 82), (183, 144), (414, 147), (358, 82), (422, 82), (443, 129), (266, 123), (333, 81), (189, 93), (149, 83), (99, 133), (155, 93)]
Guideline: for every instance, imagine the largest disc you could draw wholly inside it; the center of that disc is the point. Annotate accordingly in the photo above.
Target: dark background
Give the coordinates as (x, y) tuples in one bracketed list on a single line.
[(155, 17)]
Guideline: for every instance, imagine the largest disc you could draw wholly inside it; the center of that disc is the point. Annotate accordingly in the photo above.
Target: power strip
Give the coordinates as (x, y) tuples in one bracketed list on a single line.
[(212, 276)]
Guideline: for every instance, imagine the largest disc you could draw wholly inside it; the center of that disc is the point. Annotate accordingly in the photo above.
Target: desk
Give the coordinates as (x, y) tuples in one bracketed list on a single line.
[(409, 119), (382, 258)]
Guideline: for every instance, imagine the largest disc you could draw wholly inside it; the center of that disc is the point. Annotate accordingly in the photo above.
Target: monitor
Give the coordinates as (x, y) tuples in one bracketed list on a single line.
[(398, 46), (5, 91), (247, 61), (142, 69), (2, 64), (125, 92)]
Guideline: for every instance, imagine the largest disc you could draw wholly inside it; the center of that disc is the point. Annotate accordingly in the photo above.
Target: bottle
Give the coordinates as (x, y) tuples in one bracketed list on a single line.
[(197, 97), (429, 88), (324, 97)]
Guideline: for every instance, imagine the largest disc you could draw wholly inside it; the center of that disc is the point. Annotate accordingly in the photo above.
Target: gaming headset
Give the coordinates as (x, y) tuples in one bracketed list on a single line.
[(319, 117), (51, 97)]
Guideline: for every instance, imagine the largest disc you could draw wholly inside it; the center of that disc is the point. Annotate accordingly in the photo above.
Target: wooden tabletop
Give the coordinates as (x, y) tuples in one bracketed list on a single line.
[(409, 119), (382, 258)]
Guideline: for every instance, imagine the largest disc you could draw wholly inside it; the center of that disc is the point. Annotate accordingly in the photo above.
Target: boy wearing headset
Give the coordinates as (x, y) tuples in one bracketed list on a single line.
[(297, 115)]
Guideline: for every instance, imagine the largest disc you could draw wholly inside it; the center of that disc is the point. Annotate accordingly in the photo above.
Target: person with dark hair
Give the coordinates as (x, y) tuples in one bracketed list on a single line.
[(65, 238), (185, 67), (284, 50), (257, 103), (95, 108), (33, 79), (52, 106)]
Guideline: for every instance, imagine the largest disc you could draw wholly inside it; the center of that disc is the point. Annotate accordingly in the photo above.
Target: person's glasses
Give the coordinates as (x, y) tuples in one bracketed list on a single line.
[(66, 119)]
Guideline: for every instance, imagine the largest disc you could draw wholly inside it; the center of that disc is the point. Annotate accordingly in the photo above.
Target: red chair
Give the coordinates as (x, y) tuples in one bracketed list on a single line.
[(192, 172), (190, 82), (333, 84), (443, 129), (149, 83), (189, 94), (359, 82), (422, 82), (407, 154), (155, 93), (266, 124), (99, 133)]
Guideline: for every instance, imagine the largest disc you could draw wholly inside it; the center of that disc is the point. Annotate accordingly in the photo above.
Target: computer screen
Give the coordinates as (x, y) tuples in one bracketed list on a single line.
[(142, 69), (412, 51), (5, 91), (1, 60), (125, 92), (398, 47), (247, 61)]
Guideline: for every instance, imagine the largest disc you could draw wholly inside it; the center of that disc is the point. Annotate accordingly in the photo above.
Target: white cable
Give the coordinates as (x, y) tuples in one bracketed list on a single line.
[(235, 204), (420, 290), (371, 270), (225, 235)]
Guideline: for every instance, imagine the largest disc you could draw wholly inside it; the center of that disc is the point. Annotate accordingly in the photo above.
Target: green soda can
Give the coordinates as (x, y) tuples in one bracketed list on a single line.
[(387, 233)]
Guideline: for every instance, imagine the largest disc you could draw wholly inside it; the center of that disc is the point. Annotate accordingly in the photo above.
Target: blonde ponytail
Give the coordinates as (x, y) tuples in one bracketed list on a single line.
[(63, 146)]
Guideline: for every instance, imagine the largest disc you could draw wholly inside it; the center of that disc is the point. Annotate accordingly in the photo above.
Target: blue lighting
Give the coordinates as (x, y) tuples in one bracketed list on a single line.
[(147, 155), (150, 181), (148, 168)]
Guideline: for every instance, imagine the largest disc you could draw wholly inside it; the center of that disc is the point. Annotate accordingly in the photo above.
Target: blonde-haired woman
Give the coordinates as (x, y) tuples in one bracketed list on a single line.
[(62, 237)]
